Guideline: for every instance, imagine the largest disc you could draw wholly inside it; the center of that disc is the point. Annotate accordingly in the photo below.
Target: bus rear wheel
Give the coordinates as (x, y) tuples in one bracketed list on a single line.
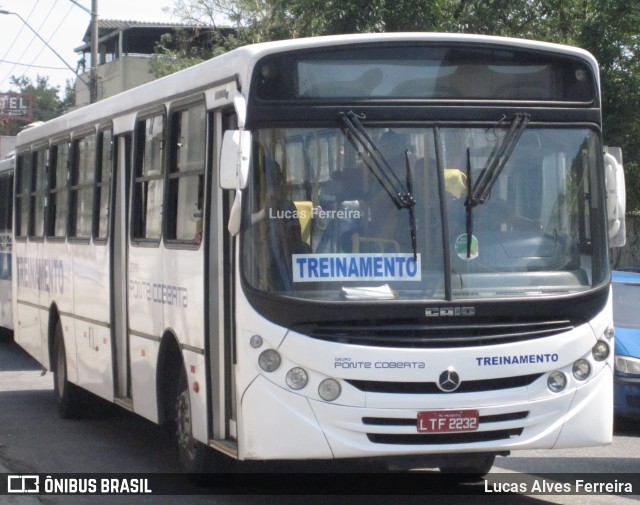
[(68, 395)]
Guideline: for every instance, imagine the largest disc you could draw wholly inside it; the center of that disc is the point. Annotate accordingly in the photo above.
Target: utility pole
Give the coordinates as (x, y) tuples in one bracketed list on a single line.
[(93, 73), (93, 76)]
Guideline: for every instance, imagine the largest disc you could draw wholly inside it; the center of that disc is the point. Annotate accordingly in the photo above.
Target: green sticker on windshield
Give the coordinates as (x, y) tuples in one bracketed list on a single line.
[(461, 247)]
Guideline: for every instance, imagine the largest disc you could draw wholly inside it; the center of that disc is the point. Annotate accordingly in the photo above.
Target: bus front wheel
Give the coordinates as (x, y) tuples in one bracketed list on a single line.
[(68, 395), (195, 457)]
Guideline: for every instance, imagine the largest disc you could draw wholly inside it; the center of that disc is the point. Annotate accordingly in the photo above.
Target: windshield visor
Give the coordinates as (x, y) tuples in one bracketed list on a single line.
[(322, 221)]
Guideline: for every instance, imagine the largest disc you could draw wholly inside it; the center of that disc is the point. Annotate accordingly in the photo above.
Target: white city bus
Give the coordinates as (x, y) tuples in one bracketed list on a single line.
[(7, 167), (367, 246)]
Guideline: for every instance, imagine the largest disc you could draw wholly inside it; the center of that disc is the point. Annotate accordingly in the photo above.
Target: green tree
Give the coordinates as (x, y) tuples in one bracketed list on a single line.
[(46, 102), (246, 22), (307, 18), (611, 34), (606, 28), (254, 21), (181, 49)]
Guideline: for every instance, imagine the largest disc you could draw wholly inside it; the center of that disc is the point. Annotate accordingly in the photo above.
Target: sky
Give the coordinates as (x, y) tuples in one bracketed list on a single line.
[(62, 24)]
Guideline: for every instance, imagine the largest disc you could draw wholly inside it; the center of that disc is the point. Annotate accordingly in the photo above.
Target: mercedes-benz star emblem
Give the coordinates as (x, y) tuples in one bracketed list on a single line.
[(449, 380)]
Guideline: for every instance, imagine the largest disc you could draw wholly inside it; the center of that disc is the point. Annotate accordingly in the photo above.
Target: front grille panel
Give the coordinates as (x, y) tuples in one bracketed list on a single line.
[(418, 334), (431, 387), (444, 438), (415, 438), (390, 421)]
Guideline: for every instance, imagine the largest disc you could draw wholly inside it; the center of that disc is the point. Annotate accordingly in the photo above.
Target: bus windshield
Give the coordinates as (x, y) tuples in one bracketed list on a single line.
[(320, 221)]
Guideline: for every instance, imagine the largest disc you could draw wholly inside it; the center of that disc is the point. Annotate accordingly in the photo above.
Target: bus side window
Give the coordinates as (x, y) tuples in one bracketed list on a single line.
[(58, 197), (23, 192), (6, 204), (103, 184), (39, 186), (186, 174), (83, 172), (148, 179)]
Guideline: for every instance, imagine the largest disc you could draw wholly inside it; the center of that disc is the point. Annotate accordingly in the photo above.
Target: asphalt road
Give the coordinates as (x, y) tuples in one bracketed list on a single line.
[(33, 439)]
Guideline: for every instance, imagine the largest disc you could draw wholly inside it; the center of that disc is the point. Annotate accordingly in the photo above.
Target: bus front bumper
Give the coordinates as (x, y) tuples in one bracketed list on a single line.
[(278, 424)]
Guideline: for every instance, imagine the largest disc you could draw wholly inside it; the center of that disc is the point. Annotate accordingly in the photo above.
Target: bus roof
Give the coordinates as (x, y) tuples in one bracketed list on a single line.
[(238, 65), (7, 165)]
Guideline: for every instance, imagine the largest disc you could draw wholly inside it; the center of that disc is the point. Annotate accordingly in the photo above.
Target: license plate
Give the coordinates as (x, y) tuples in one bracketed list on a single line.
[(448, 421)]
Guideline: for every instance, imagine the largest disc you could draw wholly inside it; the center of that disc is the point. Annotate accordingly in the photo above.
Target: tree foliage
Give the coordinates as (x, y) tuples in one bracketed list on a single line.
[(46, 101), (606, 28)]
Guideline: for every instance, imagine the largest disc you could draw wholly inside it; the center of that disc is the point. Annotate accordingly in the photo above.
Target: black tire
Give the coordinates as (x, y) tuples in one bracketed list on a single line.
[(68, 395), (195, 457)]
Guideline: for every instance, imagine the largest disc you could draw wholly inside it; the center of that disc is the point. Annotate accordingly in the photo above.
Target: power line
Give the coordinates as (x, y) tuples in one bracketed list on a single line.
[(34, 36), (22, 28), (17, 63), (46, 43), (37, 31)]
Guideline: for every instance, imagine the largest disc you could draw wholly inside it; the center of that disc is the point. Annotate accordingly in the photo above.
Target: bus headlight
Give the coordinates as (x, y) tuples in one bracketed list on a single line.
[(297, 378), (600, 351), (556, 382), (329, 390), (581, 369), (255, 341), (269, 360), (609, 333)]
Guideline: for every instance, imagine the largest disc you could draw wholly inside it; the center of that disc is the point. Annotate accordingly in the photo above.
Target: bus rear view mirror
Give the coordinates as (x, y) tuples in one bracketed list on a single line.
[(234, 159), (616, 196)]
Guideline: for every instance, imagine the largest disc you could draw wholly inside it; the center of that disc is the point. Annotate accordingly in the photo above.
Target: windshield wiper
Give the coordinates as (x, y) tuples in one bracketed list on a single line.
[(500, 154), (412, 215), (376, 162), (401, 195), (498, 159)]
